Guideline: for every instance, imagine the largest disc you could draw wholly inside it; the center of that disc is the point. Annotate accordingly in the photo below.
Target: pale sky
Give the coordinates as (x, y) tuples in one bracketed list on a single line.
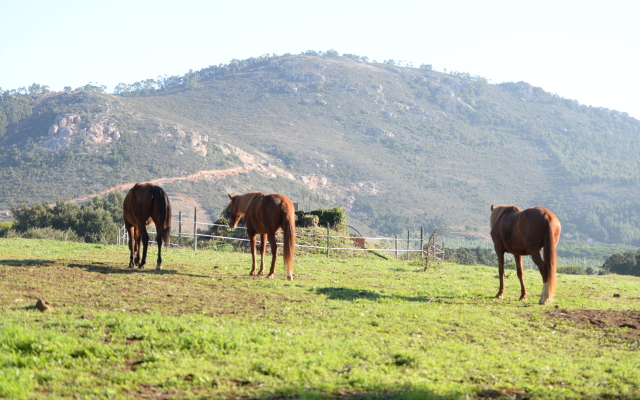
[(584, 50)]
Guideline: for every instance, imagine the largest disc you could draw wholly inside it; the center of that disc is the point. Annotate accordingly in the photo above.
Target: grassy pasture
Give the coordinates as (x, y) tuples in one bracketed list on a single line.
[(345, 328)]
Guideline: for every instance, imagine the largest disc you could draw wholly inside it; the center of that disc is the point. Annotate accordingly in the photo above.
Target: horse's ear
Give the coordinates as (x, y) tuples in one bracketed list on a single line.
[(492, 207), (230, 196)]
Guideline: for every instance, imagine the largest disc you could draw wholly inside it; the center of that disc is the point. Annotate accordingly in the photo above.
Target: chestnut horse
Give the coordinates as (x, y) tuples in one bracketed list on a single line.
[(525, 233), (145, 203), (265, 215)]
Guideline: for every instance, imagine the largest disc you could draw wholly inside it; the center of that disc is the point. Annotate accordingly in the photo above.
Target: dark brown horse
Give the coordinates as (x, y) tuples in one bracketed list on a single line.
[(145, 203), (525, 233), (265, 215)]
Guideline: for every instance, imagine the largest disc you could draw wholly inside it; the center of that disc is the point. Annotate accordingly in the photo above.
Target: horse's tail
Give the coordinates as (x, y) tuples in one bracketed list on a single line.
[(289, 228), (163, 205), (550, 258)]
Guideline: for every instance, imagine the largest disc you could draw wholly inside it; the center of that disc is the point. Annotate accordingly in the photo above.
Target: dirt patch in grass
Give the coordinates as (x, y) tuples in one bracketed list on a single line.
[(627, 322)]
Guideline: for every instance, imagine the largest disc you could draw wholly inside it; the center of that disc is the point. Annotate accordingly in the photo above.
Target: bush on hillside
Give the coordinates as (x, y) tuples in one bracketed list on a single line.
[(472, 256), (4, 228), (627, 263), (95, 222), (572, 269), (47, 233)]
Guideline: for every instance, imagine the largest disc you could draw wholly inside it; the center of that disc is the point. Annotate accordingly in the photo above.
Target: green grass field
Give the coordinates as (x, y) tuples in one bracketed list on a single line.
[(345, 328)]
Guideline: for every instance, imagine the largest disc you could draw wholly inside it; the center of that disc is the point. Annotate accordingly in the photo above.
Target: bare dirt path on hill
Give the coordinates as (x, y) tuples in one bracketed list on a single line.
[(198, 176)]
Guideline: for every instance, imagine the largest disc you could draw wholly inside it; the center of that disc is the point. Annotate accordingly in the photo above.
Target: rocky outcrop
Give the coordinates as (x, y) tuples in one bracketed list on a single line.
[(61, 132), (379, 132), (69, 128), (197, 142), (99, 133), (310, 78)]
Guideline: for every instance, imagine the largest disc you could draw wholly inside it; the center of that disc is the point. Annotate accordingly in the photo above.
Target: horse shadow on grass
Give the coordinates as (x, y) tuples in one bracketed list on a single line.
[(103, 268), (27, 263), (348, 294)]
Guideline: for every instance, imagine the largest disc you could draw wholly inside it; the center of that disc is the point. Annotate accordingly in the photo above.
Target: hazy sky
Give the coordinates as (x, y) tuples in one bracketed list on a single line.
[(585, 50)]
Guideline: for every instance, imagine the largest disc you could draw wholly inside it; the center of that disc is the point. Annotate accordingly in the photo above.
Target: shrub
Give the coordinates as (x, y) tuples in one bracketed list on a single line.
[(622, 263), (473, 256), (4, 228), (572, 269), (47, 233)]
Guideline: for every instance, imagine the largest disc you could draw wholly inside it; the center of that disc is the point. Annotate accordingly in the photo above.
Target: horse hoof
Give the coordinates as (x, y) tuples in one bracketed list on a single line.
[(290, 277), (158, 267), (270, 276), (499, 296), (524, 298)]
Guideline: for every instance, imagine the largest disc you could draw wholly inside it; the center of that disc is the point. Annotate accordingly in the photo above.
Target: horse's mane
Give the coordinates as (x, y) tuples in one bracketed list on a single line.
[(497, 211), (245, 200)]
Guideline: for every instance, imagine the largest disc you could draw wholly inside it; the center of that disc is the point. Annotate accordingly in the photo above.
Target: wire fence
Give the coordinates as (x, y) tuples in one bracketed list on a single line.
[(199, 235)]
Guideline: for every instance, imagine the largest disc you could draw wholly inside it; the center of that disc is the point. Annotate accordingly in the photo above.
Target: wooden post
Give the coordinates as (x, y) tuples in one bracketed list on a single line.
[(328, 239), (195, 228), (422, 243), (408, 243), (396, 246), (180, 224)]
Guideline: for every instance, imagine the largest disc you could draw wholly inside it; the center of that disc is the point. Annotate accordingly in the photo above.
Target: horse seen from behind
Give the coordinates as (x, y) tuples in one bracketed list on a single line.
[(525, 233), (265, 215), (146, 203)]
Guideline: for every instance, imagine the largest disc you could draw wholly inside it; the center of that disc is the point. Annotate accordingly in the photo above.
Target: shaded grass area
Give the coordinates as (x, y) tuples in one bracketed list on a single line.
[(345, 328)]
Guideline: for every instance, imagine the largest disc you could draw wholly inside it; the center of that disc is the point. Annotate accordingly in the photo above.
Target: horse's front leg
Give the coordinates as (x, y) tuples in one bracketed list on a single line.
[(252, 242), (263, 249), (523, 290), (274, 254), (500, 255)]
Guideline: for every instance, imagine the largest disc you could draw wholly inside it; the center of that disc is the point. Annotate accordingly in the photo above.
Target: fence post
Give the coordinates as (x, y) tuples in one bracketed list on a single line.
[(328, 239), (396, 246), (408, 243), (422, 242), (195, 228), (180, 224)]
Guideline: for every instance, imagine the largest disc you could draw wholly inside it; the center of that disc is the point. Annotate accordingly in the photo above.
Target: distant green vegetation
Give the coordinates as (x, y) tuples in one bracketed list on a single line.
[(400, 147), (627, 263), (96, 222)]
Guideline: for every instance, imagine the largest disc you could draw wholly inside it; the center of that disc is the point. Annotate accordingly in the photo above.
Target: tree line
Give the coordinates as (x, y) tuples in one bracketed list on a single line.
[(95, 222)]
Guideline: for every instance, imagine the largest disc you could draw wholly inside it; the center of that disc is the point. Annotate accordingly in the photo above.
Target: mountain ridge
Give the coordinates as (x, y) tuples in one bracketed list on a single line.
[(398, 147)]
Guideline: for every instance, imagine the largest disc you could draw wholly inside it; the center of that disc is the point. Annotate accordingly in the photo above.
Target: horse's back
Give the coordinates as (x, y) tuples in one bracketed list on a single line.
[(524, 231), (269, 213), (140, 203)]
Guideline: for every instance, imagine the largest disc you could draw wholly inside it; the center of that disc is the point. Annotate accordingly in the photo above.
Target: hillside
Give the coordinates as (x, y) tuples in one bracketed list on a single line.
[(397, 147)]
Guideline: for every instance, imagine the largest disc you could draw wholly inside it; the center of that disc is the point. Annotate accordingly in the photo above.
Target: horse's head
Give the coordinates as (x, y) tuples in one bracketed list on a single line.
[(234, 214)]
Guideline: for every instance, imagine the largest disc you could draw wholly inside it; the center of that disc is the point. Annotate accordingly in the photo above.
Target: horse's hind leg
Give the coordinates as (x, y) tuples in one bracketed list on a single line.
[(523, 290), (252, 243), (274, 254), (263, 249), (500, 255), (131, 230), (145, 244), (159, 240), (542, 267)]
